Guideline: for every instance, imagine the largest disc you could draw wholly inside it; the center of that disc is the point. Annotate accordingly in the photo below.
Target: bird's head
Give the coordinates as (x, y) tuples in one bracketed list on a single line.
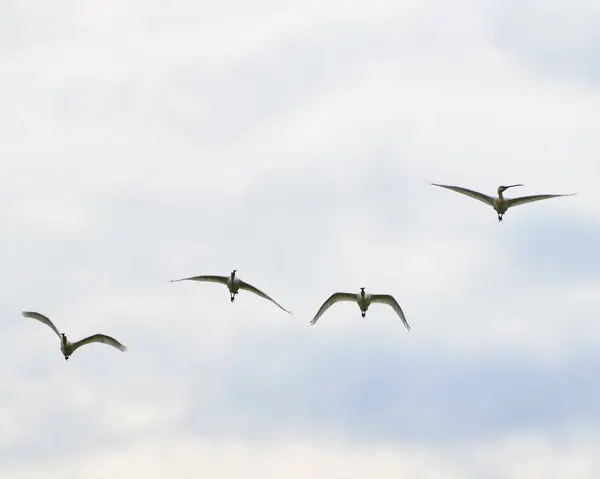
[(362, 291), (233, 273), (502, 189)]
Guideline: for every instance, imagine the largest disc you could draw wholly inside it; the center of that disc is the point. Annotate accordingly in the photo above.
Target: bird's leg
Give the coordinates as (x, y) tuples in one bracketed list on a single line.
[(232, 297), (363, 313), (499, 218), (66, 358)]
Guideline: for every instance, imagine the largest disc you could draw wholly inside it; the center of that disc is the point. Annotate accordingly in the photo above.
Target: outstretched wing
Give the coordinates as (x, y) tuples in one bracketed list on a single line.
[(206, 278), (42, 318), (99, 338), (252, 289), (334, 298), (389, 300), (488, 200), (529, 199)]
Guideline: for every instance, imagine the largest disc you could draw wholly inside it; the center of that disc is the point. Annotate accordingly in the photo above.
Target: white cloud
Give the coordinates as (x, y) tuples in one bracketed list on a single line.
[(430, 118), (295, 143), (556, 40), (519, 456)]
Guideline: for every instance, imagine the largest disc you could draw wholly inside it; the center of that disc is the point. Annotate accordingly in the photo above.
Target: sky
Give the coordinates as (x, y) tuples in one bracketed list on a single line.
[(296, 143)]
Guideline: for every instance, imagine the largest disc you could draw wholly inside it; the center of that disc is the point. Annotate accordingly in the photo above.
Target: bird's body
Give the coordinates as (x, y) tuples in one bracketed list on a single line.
[(364, 300), (67, 347), (500, 204), (234, 284)]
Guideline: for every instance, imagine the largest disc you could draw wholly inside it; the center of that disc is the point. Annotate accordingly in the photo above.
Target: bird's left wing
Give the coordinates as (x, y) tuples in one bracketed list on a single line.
[(528, 199), (252, 289), (389, 300), (100, 338)]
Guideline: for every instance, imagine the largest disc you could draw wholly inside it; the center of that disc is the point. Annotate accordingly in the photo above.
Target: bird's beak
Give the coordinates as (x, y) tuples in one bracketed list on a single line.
[(512, 186)]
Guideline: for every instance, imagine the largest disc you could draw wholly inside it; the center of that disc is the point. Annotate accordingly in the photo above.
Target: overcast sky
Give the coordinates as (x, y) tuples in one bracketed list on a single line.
[(144, 141)]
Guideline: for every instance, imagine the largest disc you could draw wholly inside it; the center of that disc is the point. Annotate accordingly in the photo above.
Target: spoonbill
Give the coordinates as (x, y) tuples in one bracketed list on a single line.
[(363, 300), (500, 204), (66, 346), (234, 284)]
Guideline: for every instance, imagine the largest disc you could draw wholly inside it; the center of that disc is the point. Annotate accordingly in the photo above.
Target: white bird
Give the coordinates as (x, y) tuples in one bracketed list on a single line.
[(66, 346), (363, 300), (500, 204), (234, 284)]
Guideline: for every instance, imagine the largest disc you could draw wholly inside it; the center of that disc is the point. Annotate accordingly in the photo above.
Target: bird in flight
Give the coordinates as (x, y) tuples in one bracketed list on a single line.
[(66, 346), (234, 284), (500, 204), (363, 300)]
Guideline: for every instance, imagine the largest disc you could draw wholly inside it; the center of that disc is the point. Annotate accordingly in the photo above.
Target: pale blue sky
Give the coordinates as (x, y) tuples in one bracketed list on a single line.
[(295, 143)]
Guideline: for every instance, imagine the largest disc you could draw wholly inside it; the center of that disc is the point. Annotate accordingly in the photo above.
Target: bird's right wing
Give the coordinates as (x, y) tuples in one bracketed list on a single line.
[(528, 199), (255, 290), (391, 301), (207, 278), (100, 338), (488, 200), (334, 298), (42, 318)]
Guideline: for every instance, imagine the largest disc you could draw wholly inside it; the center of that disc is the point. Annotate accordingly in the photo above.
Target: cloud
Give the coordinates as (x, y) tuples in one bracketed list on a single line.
[(294, 143), (503, 457), (539, 36)]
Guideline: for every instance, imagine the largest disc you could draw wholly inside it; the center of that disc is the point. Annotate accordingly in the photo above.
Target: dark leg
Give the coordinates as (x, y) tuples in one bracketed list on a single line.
[(363, 313), (499, 218), (232, 298)]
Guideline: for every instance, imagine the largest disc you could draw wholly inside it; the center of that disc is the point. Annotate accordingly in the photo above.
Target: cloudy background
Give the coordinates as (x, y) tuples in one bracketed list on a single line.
[(295, 142)]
